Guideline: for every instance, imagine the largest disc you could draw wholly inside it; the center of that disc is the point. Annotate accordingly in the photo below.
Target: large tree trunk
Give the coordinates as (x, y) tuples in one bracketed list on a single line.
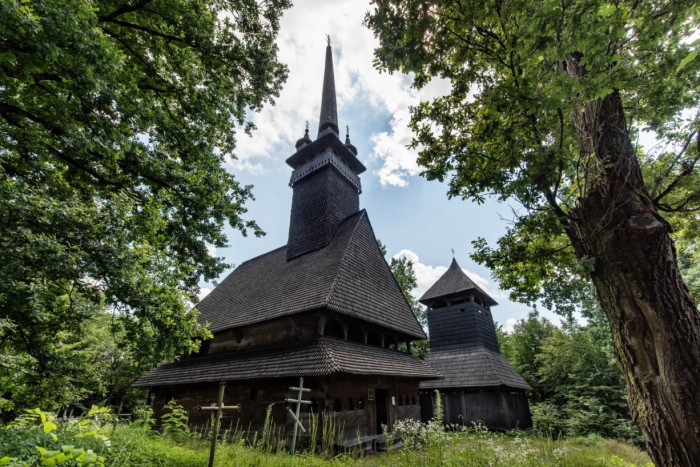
[(654, 321)]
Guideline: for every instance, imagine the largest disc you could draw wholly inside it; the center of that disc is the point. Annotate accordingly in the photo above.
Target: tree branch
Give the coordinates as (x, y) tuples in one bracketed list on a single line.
[(686, 171), (124, 9)]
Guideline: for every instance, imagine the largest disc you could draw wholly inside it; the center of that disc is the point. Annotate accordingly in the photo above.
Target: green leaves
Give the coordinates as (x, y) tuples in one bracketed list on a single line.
[(115, 124), (690, 57), (518, 71)]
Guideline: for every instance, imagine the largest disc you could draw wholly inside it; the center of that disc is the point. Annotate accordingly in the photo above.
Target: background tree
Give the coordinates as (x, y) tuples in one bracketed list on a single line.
[(578, 388), (522, 348), (402, 268), (115, 120), (546, 100)]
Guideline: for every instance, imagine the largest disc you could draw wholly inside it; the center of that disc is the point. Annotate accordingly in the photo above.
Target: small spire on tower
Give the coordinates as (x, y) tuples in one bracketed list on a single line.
[(348, 144), (305, 140)]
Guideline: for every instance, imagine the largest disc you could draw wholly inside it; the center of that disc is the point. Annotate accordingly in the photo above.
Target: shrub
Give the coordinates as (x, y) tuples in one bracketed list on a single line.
[(175, 422), (39, 437), (548, 420)]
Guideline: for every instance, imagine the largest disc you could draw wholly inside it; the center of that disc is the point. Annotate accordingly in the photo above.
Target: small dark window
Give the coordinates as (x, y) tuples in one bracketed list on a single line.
[(254, 394), (408, 402), (351, 405), (400, 400), (337, 406), (413, 400), (360, 404), (334, 329), (314, 405)]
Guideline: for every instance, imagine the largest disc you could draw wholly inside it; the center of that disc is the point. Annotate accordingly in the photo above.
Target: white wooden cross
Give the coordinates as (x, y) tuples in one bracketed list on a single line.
[(298, 401)]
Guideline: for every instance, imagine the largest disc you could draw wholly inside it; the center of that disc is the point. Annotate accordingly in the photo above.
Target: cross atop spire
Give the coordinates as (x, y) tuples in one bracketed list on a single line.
[(329, 108)]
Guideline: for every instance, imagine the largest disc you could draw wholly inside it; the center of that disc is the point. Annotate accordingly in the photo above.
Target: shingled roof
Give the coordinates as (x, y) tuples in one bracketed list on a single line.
[(452, 282), (476, 367), (349, 276), (320, 357)]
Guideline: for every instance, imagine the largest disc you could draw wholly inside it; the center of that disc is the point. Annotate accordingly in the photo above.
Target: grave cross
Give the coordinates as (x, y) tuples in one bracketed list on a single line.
[(219, 408), (298, 401)]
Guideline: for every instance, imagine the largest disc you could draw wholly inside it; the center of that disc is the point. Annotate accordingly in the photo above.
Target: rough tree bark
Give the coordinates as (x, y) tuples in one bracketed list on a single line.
[(654, 321)]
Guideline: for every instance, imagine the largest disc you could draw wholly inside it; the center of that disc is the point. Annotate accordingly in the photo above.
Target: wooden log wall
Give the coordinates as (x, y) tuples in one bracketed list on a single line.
[(501, 410), (297, 328), (256, 396)]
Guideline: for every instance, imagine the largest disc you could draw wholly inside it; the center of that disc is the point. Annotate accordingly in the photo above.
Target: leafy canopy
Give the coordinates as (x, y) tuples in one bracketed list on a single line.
[(115, 120), (578, 388), (506, 130), (405, 276)]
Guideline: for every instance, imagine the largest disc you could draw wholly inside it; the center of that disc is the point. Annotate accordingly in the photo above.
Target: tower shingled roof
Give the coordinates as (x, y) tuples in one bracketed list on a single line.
[(454, 281), (329, 108)]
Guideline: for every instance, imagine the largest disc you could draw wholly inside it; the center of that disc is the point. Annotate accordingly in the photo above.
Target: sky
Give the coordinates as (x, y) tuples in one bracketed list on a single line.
[(410, 215)]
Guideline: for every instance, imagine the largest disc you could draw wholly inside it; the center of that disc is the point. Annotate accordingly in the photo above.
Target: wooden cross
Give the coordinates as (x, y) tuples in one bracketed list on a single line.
[(219, 408), (298, 402)]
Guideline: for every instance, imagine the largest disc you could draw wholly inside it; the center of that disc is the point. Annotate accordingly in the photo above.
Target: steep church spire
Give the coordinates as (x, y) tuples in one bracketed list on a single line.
[(329, 108)]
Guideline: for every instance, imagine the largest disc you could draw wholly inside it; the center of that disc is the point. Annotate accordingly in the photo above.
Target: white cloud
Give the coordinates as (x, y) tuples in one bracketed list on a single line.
[(510, 324), (301, 46), (427, 275), (211, 249), (203, 292)]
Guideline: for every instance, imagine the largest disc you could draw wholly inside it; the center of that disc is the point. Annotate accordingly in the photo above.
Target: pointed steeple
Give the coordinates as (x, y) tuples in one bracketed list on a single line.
[(453, 282), (329, 108)]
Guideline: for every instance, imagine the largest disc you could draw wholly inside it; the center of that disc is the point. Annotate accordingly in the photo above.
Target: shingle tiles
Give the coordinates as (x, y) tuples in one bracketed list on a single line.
[(319, 357), (475, 367), (454, 281), (348, 276)]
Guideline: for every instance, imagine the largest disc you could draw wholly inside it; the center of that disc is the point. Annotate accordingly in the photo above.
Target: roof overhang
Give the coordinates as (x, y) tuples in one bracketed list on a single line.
[(329, 140)]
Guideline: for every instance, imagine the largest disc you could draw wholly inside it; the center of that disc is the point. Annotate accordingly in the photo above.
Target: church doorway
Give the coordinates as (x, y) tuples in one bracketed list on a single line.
[(380, 397)]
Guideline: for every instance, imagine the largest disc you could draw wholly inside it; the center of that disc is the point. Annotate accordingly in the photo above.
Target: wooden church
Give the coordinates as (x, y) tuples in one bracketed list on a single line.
[(479, 384), (325, 307)]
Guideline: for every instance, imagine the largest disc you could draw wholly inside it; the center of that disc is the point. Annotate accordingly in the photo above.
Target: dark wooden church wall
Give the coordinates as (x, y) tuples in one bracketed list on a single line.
[(324, 392), (253, 411), (286, 330), (344, 387), (495, 410), (301, 327)]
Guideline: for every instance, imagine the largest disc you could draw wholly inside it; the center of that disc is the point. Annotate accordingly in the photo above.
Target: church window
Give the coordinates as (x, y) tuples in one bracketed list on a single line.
[(334, 329), (337, 406), (374, 339), (351, 405), (355, 335)]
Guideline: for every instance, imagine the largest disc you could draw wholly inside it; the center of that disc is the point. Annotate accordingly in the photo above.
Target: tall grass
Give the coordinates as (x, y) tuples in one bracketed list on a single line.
[(424, 445)]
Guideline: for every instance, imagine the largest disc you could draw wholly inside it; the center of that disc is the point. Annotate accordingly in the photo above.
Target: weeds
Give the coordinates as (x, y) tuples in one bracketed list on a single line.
[(85, 442)]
